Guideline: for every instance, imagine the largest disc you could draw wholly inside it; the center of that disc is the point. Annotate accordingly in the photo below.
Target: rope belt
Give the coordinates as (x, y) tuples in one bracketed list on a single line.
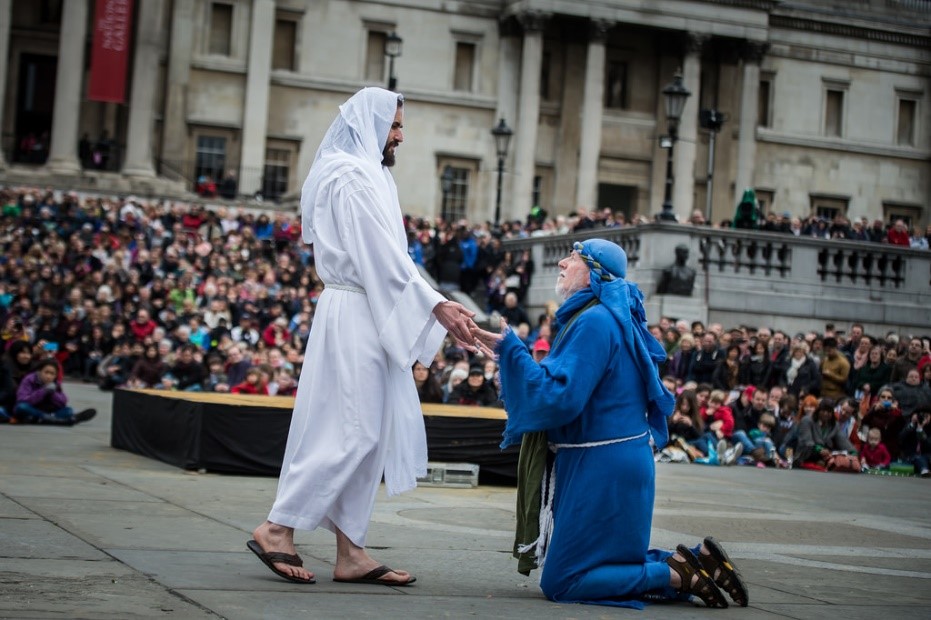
[(548, 493), (344, 287), (594, 444)]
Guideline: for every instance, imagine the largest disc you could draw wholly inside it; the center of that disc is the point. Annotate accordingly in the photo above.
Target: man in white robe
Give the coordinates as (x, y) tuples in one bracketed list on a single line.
[(357, 415)]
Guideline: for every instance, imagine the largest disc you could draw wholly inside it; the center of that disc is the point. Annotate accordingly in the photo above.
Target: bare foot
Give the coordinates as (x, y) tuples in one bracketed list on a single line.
[(353, 562), (278, 538)]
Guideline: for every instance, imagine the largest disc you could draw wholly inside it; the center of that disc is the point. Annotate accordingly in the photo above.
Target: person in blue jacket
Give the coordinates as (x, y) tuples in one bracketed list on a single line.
[(600, 406)]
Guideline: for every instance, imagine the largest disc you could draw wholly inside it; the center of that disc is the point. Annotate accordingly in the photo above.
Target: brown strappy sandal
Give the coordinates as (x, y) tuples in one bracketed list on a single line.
[(728, 577), (704, 587)]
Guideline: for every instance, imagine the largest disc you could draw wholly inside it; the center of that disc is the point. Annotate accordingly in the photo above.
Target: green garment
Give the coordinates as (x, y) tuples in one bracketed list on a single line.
[(531, 468)]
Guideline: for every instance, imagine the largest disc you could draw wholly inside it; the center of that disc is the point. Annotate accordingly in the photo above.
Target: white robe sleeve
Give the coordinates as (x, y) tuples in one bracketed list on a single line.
[(400, 300)]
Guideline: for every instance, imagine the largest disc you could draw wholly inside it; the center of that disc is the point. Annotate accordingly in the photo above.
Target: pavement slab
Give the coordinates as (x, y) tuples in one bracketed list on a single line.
[(87, 531)]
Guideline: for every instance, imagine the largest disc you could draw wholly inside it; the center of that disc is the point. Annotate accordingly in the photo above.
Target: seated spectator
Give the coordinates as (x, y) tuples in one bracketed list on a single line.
[(40, 399), (912, 394), (216, 377), (686, 428), (746, 418), (115, 368), (428, 387), (149, 371), (719, 426), (252, 384), (885, 415), (819, 436), (187, 374), (873, 453), (19, 362), (285, 383), (680, 363), (236, 365), (759, 443), (915, 444), (474, 390), (785, 435), (7, 392), (755, 368), (456, 376)]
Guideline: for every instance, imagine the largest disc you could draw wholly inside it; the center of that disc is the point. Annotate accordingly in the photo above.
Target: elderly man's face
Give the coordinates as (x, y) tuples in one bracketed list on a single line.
[(395, 137), (573, 275)]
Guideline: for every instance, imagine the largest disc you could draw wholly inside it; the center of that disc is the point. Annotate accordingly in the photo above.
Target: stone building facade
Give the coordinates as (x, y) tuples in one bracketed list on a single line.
[(826, 104)]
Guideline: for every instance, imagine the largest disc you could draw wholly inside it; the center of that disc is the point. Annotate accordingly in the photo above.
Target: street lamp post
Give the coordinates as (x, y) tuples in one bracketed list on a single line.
[(392, 50), (502, 134), (446, 184), (675, 95), (712, 120)]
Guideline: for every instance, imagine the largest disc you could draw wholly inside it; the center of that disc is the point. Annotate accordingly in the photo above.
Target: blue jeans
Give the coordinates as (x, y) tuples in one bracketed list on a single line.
[(749, 445), (65, 415), (919, 462)]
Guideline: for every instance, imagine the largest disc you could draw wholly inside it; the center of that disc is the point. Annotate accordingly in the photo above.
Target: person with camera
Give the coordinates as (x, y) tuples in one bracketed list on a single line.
[(914, 442), (41, 400), (885, 415)]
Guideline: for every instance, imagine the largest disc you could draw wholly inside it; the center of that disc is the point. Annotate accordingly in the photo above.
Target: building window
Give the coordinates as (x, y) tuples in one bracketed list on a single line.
[(276, 173), (284, 44), (616, 85), (828, 207), (764, 198), (763, 118), (618, 198), (465, 67), (375, 56), (834, 113), (221, 28), (905, 124), (542, 188), (910, 214), (210, 159), (457, 201)]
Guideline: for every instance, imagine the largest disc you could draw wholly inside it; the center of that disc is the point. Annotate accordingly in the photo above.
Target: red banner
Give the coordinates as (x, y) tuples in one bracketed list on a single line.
[(113, 29)]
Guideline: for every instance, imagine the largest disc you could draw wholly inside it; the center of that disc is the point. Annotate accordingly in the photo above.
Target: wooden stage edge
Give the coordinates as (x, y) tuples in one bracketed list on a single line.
[(287, 402)]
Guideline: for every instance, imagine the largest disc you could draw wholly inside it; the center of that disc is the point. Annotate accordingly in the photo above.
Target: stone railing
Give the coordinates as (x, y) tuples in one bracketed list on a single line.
[(758, 278)]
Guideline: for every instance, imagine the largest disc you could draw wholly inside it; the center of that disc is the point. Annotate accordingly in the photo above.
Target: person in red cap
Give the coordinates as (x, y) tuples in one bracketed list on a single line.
[(541, 348)]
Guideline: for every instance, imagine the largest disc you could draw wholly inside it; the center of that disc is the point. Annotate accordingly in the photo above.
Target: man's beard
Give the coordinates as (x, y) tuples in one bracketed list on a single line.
[(387, 156)]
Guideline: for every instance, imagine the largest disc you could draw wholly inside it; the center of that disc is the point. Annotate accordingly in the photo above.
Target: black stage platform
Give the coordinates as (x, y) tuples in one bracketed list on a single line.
[(241, 434)]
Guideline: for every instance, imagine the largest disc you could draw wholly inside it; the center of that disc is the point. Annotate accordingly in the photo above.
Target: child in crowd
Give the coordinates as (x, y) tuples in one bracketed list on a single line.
[(285, 382), (216, 378), (761, 445), (252, 384), (41, 400), (873, 453)]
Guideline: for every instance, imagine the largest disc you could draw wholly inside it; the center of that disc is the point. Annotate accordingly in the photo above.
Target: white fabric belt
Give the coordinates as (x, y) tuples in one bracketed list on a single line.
[(344, 287), (594, 444)]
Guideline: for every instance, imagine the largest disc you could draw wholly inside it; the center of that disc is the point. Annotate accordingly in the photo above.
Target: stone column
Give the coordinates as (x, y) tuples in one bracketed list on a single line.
[(752, 54), (683, 190), (508, 79), (69, 79), (174, 123), (529, 116), (255, 110), (6, 16), (138, 160), (592, 108)]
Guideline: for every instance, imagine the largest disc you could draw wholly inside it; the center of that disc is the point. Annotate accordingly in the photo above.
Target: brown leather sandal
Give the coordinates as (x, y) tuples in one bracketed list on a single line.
[(728, 577), (704, 587)]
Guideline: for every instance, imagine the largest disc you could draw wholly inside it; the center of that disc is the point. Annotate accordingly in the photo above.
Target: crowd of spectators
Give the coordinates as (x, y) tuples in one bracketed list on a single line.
[(163, 295)]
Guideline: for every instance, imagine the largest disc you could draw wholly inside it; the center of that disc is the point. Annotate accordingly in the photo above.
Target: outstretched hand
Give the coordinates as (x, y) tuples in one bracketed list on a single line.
[(457, 320), (487, 341)]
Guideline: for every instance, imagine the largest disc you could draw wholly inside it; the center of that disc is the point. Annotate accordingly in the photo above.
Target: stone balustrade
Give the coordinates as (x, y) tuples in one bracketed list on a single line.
[(759, 278)]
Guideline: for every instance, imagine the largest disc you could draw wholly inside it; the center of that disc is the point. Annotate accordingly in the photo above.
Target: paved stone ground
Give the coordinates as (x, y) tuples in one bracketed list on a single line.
[(87, 531)]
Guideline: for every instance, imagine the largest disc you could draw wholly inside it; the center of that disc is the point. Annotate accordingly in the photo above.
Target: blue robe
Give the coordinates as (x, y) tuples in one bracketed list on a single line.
[(589, 389)]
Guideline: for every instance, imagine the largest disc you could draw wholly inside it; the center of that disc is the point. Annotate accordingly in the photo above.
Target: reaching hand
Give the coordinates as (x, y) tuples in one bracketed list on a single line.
[(487, 341), (457, 320)]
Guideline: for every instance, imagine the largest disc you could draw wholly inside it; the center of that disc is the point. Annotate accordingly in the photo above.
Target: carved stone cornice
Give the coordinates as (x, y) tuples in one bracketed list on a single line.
[(532, 21), (753, 51), (598, 29), (850, 31), (694, 42)]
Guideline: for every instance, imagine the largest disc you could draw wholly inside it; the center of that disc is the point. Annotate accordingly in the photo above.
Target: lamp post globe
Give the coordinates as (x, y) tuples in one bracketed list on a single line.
[(675, 95), (502, 134)]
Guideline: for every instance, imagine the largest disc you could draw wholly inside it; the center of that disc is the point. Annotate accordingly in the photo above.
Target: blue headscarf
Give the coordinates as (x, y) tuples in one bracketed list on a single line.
[(608, 264)]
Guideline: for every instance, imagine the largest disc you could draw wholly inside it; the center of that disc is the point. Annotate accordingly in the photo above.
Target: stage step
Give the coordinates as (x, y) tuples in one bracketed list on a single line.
[(451, 475)]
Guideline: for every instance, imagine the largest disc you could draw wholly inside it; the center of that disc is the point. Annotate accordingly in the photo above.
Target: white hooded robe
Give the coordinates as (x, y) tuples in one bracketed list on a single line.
[(356, 413)]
